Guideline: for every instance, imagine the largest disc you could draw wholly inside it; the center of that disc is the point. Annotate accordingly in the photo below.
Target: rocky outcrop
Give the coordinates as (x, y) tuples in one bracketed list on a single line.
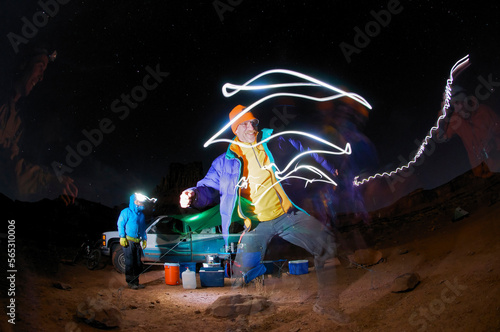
[(180, 177), (466, 191)]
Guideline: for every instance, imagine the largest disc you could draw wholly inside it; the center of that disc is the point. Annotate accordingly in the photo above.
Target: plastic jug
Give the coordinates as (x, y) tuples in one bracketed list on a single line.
[(189, 279)]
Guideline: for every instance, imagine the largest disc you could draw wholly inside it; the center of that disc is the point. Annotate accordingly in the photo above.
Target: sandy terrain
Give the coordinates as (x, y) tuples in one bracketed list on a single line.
[(458, 262)]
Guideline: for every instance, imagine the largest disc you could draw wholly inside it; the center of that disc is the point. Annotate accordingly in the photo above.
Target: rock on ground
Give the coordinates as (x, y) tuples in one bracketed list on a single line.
[(98, 313), (405, 282), (229, 306)]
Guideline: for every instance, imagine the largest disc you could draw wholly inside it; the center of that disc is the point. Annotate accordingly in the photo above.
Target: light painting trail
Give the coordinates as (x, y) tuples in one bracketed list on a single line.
[(245, 182), (143, 198), (282, 175), (230, 90), (459, 65), (312, 82)]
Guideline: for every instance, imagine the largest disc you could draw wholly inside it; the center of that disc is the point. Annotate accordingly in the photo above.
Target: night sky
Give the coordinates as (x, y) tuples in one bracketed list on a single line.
[(106, 47)]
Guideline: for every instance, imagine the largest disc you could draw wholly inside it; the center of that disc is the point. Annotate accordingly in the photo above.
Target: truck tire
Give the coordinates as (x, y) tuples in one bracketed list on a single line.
[(118, 259)]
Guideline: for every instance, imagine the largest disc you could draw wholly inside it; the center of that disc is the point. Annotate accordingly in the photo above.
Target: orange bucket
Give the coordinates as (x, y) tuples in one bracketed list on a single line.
[(172, 274)]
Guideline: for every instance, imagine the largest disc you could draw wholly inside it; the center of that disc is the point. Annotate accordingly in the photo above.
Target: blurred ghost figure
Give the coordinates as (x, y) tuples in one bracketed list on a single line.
[(20, 178), (478, 127), (343, 121)]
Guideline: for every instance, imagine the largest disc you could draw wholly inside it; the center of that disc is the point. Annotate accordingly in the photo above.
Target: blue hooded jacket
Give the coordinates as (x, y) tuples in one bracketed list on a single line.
[(219, 186), (131, 221)]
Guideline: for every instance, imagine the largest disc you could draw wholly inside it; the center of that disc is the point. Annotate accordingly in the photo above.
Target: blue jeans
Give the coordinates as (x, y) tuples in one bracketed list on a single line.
[(296, 227), (133, 264)]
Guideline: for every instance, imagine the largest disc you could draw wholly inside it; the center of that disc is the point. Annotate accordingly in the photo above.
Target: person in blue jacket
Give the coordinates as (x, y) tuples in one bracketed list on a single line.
[(132, 232), (243, 181)]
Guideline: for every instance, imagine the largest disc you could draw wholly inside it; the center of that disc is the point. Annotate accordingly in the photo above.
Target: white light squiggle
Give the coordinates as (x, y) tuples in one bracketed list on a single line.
[(142, 198), (309, 82), (459, 65), (339, 151), (244, 181), (313, 82), (346, 150)]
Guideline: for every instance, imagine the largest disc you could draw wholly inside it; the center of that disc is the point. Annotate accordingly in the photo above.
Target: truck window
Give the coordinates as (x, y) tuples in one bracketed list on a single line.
[(168, 226)]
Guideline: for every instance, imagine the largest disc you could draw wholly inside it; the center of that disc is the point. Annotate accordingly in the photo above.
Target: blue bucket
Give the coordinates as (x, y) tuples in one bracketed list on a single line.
[(298, 267)]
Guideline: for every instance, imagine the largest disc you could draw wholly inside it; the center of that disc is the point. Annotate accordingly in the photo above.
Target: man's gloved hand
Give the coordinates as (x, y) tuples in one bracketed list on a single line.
[(144, 244), (124, 242)]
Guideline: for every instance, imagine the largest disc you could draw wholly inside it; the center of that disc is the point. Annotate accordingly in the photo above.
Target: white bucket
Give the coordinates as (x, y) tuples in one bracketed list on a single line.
[(189, 279)]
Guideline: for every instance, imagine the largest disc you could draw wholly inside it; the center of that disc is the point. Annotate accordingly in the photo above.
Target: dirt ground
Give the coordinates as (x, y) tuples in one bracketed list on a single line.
[(458, 262)]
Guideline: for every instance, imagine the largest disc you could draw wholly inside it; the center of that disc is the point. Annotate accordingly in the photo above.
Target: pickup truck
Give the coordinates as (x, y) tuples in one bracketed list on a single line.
[(175, 239)]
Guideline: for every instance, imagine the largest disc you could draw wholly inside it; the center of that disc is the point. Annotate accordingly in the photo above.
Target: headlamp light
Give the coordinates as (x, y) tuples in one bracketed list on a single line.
[(142, 198)]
